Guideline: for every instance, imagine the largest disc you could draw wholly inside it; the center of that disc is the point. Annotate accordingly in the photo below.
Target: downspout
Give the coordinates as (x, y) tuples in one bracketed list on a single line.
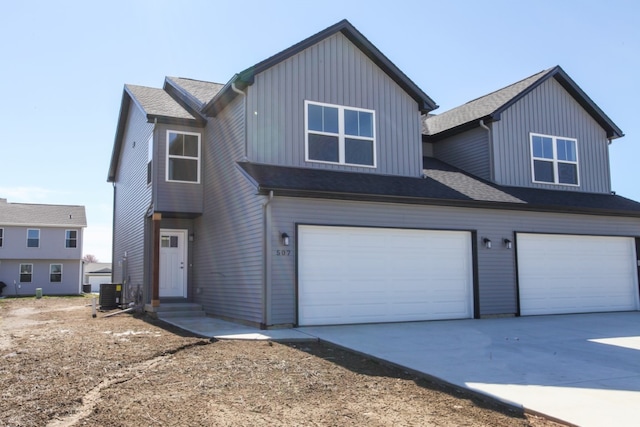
[(266, 288), (244, 97), (492, 173)]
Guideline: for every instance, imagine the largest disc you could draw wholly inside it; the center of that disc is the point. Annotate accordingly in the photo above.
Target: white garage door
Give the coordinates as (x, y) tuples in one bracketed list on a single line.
[(367, 275), (576, 274)]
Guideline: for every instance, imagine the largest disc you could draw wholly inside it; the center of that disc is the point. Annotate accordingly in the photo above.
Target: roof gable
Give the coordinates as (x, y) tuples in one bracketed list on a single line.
[(489, 107), (246, 78)]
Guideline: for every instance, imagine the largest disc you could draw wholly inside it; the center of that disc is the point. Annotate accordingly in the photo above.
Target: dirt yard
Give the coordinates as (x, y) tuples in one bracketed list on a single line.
[(61, 367)]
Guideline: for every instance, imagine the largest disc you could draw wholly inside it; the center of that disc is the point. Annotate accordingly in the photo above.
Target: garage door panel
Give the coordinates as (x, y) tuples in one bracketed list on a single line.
[(382, 275), (561, 274)]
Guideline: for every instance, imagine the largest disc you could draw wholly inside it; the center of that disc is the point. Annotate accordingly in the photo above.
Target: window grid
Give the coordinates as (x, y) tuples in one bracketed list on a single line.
[(337, 134), (71, 239), (554, 158), (33, 238), (183, 157), (26, 273), (55, 273), (1, 237)]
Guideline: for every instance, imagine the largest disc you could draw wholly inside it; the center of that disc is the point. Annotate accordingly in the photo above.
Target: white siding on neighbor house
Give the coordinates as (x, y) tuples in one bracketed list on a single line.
[(132, 199), (333, 71), (550, 110), (228, 260), (496, 272), (70, 284), (52, 243), (468, 151)]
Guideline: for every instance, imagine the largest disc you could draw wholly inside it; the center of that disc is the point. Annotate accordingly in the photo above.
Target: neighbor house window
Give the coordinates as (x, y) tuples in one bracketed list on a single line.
[(149, 159), (554, 159), (26, 273), (1, 237), (342, 135), (71, 239), (183, 156), (33, 238), (55, 273)]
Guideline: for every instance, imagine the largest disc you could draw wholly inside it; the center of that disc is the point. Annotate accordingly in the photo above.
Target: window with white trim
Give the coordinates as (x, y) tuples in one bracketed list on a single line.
[(55, 273), (71, 239), (26, 273), (183, 156), (340, 135), (33, 238), (554, 159)]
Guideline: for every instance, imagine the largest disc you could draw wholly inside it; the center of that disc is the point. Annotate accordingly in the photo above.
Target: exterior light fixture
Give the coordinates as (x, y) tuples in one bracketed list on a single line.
[(507, 243), (487, 242), (192, 237), (285, 239)]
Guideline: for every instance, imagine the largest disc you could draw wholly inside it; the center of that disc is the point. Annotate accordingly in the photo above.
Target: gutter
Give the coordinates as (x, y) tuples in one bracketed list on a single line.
[(266, 278), (492, 172)]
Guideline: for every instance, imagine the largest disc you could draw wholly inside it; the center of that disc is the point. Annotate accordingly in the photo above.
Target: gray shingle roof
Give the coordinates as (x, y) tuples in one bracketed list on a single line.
[(25, 214), (489, 107), (157, 102), (201, 91), (443, 185), (479, 107)]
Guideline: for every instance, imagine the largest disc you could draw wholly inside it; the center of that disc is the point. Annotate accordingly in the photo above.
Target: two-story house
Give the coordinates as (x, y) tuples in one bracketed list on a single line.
[(41, 247), (315, 187)]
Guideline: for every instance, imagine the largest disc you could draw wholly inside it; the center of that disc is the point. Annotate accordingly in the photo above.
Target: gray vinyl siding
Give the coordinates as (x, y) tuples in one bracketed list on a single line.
[(333, 71), (132, 198), (496, 266), (173, 197), (228, 244), (70, 284), (468, 151), (550, 110), (52, 244)]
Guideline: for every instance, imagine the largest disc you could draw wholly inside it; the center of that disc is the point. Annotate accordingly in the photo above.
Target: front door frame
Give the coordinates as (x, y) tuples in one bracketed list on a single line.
[(184, 234)]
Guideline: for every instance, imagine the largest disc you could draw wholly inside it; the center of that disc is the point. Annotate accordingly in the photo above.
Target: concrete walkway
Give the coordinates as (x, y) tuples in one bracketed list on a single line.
[(582, 369)]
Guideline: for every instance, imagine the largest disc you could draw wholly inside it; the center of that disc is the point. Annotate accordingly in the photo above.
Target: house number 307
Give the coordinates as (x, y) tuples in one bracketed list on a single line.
[(283, 252)]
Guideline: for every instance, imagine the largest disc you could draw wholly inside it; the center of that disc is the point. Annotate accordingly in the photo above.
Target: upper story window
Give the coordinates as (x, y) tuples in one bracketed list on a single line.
[(554, 159), (183, 156), (55, 273), (342, 135), (71, 239), (33, 238), (26, 273), (1, 237)]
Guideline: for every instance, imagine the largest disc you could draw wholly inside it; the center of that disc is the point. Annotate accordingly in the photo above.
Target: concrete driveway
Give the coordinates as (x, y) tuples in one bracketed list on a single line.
[(582, 369)]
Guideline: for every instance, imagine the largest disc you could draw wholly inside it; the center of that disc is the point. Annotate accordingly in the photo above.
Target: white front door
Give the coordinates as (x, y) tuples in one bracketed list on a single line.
[(173, 263)]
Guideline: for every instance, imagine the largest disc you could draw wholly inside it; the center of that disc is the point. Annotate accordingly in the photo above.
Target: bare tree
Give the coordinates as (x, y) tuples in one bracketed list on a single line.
[(89, 258)]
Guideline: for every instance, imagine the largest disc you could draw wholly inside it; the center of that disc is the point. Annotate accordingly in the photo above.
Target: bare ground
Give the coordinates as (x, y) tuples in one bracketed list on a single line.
[(61, 367)]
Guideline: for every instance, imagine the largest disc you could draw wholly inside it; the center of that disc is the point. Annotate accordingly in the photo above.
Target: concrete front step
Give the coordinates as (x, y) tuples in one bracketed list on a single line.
[(181, 309)]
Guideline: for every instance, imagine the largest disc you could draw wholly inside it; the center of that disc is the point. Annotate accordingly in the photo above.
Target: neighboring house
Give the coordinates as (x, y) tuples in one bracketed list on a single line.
[(316, 188), (96, 273), (41, 247)]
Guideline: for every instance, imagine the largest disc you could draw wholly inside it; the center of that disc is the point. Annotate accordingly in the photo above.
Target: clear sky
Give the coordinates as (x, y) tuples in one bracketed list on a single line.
[(63, 65)]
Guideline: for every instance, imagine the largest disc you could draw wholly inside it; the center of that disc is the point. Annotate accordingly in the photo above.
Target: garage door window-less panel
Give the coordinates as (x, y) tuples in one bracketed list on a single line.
[(367, 275)]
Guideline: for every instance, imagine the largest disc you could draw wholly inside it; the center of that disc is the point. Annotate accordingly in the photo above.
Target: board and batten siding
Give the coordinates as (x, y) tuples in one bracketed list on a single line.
[(132, 197), (334, 71), (174, 197), (496, 267), (550, 110), (228, 245), (468, 151)]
